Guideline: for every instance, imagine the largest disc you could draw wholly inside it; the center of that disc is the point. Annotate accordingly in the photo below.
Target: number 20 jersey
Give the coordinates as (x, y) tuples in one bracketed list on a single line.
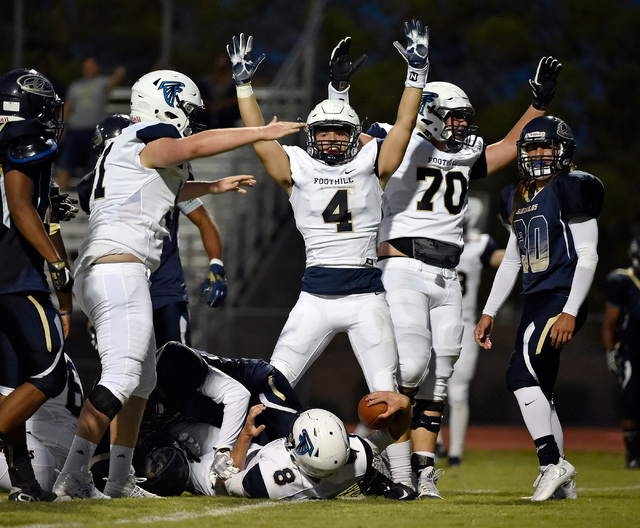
[(427, 196), (547, 250), (337, 208)]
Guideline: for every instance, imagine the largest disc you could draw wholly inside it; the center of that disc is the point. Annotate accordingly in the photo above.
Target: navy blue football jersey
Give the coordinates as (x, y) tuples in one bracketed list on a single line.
[(541, 224), (21, 266), (622, 289)]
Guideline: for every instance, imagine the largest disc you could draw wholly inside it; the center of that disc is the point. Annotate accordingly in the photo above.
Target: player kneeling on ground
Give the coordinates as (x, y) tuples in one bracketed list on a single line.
[(318, 460)]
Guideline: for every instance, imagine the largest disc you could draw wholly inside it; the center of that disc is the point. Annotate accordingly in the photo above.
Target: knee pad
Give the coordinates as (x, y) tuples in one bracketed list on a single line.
[(105, 402), (430, 423)]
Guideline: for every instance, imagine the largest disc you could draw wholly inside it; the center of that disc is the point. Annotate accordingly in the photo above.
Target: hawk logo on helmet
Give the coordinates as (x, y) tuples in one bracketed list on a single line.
[(170, 89), (564, 131), (36, 84), (304, 444)]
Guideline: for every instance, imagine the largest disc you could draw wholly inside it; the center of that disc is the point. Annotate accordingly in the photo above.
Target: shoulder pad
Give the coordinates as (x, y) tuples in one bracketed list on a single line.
[(377, 131), (31, 149), (582, 194), (157, 131)]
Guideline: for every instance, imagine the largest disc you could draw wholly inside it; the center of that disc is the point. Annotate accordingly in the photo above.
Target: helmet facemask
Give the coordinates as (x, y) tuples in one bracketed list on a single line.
[(333, 113), (196, 116)]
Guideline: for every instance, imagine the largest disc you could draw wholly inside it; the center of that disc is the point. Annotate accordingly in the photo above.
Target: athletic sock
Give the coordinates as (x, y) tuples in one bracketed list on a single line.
[(399, 459), (80, 454)]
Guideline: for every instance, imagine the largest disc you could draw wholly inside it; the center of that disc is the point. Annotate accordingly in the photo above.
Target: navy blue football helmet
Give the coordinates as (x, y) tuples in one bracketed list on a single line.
[(552, 132), (109, 128), (27, 94)]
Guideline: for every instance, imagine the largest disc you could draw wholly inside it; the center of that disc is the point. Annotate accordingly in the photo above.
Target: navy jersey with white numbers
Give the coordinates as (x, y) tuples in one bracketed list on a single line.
[(541, 225), (21, 266), (622, 289)]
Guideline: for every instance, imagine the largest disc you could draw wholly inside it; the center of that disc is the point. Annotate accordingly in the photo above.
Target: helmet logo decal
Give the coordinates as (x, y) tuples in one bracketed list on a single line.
[(170, 89), (304, 444), (562, 130), (36, 84)]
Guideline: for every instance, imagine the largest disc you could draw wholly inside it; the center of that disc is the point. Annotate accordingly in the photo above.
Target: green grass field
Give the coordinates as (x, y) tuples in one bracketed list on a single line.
[(485, 492)]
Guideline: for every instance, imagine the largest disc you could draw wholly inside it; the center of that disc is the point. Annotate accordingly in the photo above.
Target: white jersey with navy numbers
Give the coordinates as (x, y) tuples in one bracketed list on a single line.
[(129, 202), (337, 208), (272, 474), (427, 196)]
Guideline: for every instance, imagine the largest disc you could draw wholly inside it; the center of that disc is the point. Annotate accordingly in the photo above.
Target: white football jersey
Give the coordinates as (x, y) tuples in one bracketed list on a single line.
[(426, 196), (282, 479), (129, 202), (469, 273), (337, 208)]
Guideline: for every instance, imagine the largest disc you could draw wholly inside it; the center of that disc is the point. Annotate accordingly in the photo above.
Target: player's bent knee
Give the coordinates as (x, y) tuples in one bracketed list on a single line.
[(54, 382), (105, 401)]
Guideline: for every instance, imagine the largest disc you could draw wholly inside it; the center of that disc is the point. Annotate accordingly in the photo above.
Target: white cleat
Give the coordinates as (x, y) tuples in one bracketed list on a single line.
[(566, 491), (551, 478), (426, 483), (128, 487), (77, 485)]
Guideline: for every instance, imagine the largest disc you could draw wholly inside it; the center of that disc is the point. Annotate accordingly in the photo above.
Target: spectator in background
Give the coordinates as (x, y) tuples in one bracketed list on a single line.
[(85, 106), (621, 338), (219, 94)]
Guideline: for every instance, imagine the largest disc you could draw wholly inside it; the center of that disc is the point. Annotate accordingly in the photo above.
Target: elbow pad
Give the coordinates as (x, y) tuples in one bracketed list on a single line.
[(31, 149)]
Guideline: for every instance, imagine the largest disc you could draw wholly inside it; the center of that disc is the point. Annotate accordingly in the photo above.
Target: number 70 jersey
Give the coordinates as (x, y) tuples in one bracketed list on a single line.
[(427, 196), (337, 208)]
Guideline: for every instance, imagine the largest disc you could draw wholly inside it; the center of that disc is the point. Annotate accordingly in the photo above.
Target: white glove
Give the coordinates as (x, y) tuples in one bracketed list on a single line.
[(222, 466), (416, 53)]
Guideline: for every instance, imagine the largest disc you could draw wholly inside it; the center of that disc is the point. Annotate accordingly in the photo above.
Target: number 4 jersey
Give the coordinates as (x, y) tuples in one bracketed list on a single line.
[(545, 242)]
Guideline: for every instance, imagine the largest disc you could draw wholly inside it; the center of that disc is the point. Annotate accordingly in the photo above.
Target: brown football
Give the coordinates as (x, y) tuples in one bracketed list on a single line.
[(369, 414)]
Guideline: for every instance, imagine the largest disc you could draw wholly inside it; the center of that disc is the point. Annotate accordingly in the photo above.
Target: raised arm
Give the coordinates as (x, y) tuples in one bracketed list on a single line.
[(271, 154), (503, 152), (395, 144)]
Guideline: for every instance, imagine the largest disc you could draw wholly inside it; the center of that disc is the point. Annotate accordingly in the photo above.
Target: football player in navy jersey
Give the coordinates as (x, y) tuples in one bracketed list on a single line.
[(169, 294), (335, 189), (621, 338), (138, 179), (552, 211), (32, 330)]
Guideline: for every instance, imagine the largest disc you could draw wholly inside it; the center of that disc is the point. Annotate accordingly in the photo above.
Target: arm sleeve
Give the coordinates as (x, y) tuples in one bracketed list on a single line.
[(235, 398), (505, 277), (585, 239)]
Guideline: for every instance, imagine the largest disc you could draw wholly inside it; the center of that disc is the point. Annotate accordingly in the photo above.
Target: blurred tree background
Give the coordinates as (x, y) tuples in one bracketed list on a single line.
[(488, 47)]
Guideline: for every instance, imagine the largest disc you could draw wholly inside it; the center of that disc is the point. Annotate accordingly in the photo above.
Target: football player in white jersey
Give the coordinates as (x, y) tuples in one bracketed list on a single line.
[(50, 431), (318, 460), (139, 177), (335, 189), (420, 242), (480, 251)]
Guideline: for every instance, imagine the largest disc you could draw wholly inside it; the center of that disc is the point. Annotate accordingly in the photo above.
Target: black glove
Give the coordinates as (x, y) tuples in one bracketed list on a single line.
[(62, 208), (340, 66), (61, 276), (377, 484), (544, 85)]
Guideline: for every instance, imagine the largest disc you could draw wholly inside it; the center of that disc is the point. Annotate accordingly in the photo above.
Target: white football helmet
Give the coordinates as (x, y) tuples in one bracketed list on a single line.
[(333, 113), (170, 97), (318, 443), (439, 99)]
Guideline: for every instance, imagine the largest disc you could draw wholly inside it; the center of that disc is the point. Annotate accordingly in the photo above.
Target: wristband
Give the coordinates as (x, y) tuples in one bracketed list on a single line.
[(244, 91), (64, 313), (216, 261), (417, 78), (342, 95)]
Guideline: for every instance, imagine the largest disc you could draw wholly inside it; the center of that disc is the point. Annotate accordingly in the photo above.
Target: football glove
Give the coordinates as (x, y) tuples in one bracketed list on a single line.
[(62, 208), (544, 85), (416, 53), (61, 276), (615, 362), (222, 466), (243, 67), (215, 284), (340, 66)]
